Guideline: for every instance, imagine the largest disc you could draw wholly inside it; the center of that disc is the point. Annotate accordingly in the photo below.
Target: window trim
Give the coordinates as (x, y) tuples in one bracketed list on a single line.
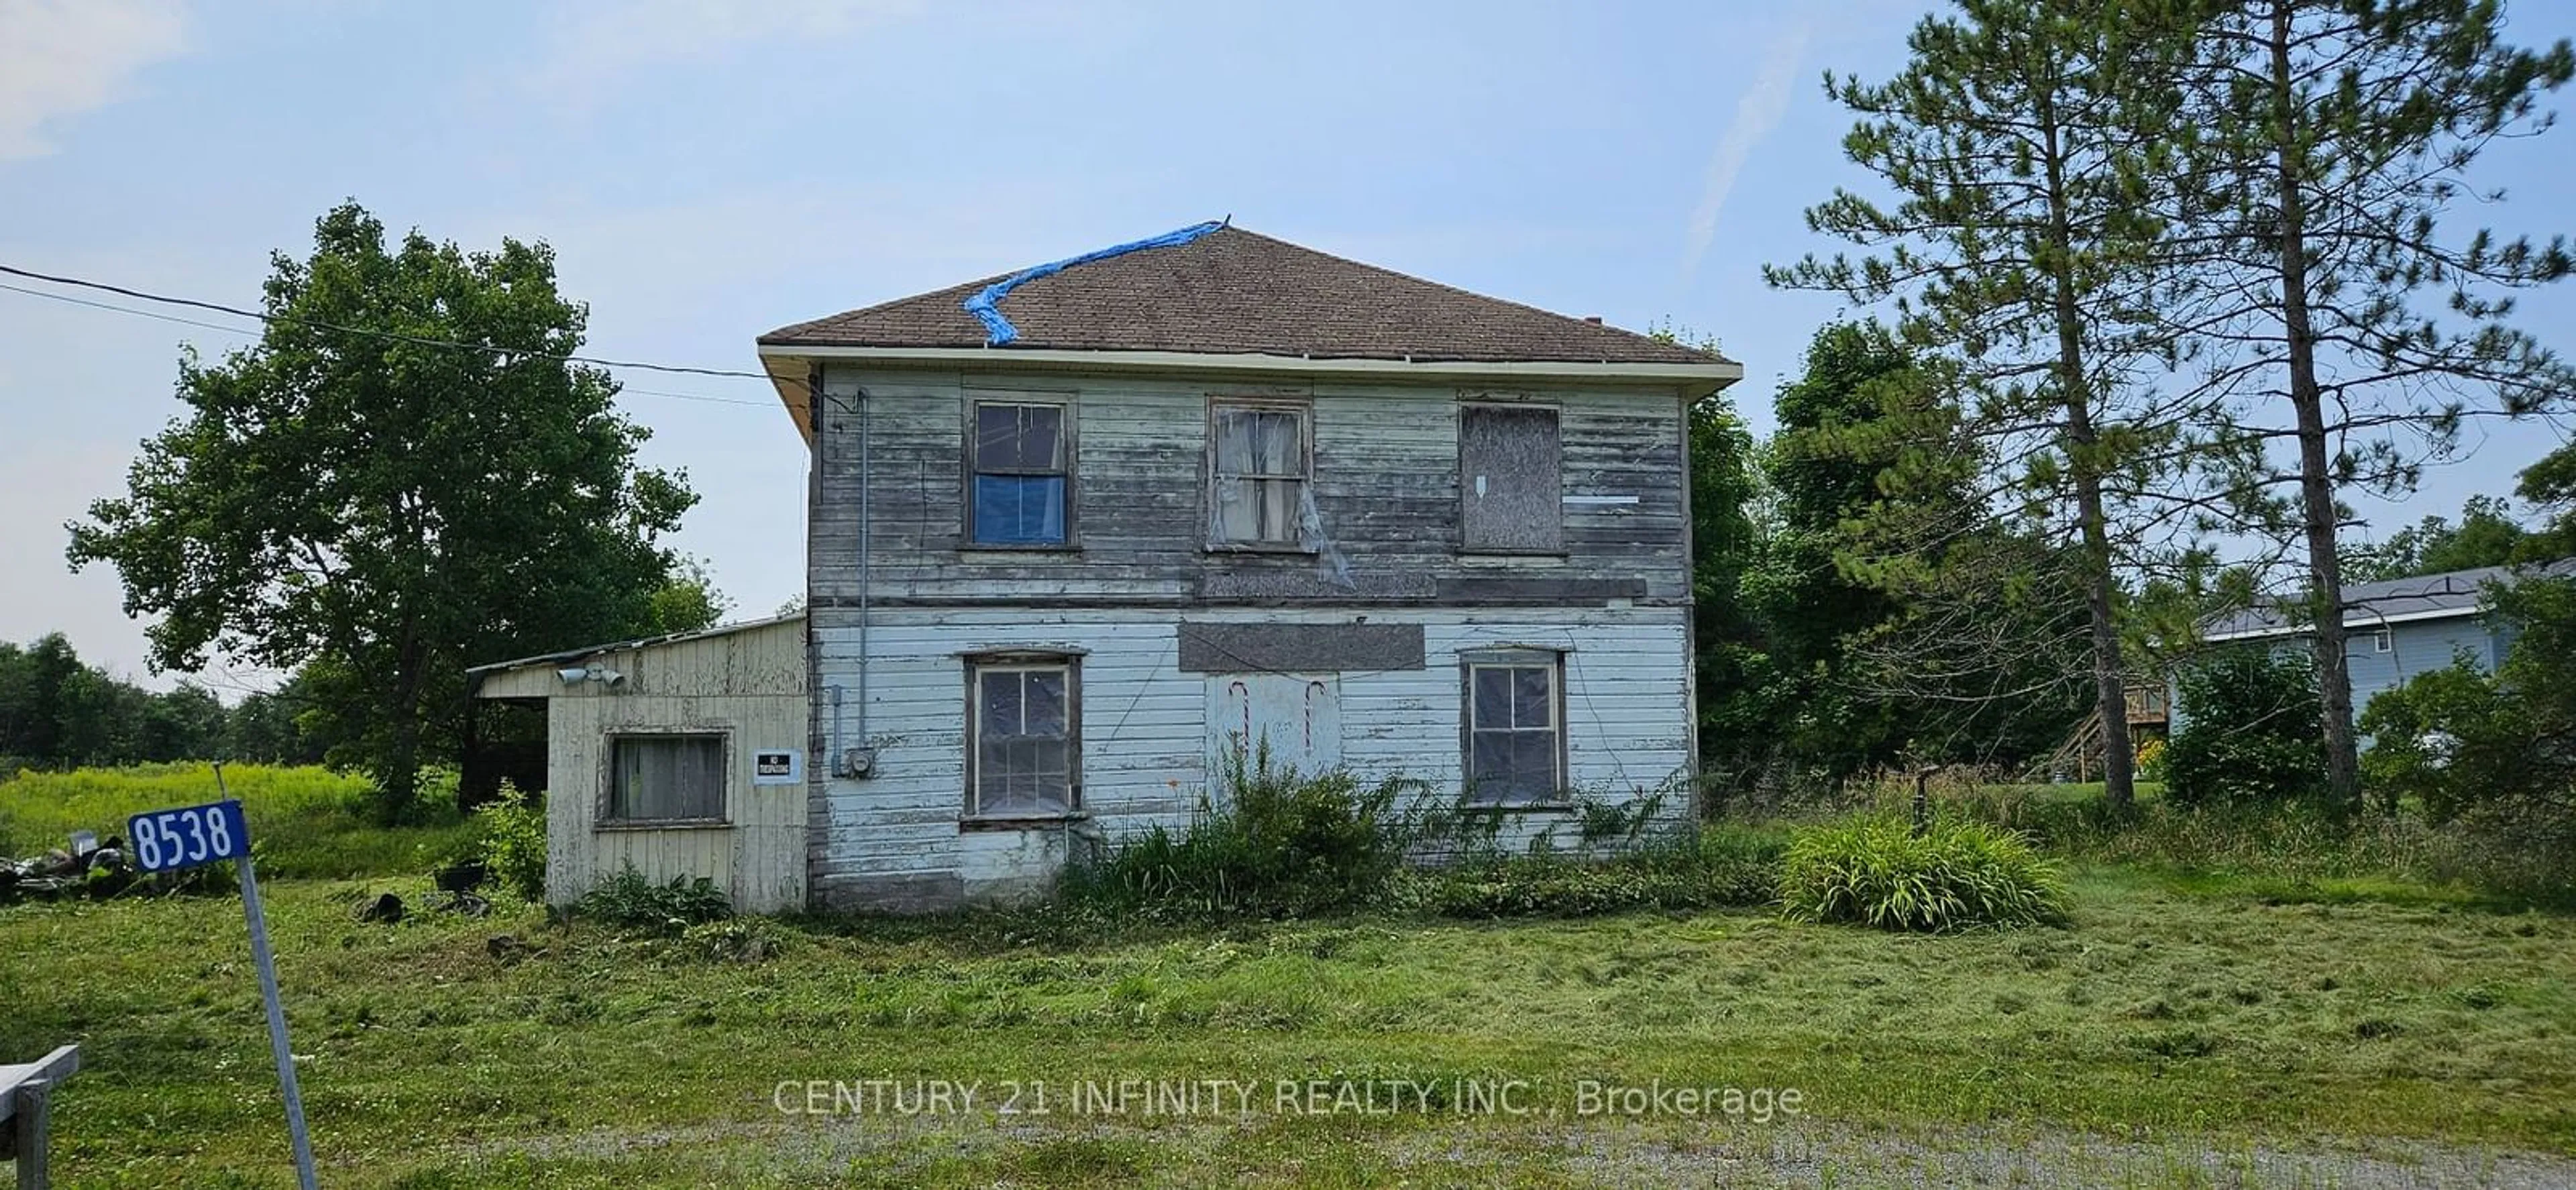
[(976, 399), (1459, 427), (1304, 408), (2383, 640), (606, 817), (1513, 657), (970, 815)]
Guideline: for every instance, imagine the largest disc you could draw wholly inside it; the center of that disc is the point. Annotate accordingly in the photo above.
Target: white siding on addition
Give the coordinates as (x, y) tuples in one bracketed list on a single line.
[(746, 685)]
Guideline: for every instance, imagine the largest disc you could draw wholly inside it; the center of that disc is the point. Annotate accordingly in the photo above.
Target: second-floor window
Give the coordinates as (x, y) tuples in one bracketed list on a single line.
[(1259, 462), (1019, 486), (1510, 480)]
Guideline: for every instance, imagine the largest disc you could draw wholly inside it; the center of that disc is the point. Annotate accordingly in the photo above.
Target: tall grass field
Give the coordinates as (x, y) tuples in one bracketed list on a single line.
[(304, 822), (2197, 1002)]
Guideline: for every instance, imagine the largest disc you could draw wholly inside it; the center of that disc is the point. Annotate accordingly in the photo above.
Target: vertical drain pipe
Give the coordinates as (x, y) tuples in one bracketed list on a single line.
[(867, 550)]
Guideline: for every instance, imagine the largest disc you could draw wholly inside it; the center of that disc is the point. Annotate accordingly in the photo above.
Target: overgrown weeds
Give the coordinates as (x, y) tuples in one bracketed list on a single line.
[(1688, 868), (632, 900), (1877, 870), (1276, 844), (510, 842), (1271, 843), (2293, 844)]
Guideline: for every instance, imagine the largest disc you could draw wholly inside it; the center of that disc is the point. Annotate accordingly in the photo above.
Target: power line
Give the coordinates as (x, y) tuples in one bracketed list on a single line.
[(247, 332), (394, 336), (64, 297)]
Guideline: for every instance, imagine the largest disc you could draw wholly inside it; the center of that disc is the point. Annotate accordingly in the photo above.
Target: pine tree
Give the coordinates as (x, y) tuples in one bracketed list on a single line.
[(2322, 145), (2026, 143)]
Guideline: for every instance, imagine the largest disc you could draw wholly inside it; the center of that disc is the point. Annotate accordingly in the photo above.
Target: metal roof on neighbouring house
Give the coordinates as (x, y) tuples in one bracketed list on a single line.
[(1221, 290), (2395, 601)]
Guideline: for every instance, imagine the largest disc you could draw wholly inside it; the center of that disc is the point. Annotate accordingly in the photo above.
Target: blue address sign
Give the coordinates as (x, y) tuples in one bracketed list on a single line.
[(163, 840)]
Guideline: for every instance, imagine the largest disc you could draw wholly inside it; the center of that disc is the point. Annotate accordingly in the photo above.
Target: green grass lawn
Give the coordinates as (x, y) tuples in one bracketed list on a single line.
[(2168, 1036), (305, 821)]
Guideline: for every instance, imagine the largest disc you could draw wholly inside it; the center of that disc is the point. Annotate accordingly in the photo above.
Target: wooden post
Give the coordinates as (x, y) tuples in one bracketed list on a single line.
[(30, 1134), (25, 1107)]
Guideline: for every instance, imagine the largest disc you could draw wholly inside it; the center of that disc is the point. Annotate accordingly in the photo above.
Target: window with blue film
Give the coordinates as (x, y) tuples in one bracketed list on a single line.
[(1021, 492)]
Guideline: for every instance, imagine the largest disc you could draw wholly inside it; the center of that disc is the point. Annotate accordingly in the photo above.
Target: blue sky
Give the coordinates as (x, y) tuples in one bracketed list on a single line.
[(709, 170)]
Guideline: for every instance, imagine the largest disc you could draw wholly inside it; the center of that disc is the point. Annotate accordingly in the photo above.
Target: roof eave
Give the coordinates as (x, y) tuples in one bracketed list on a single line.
[(1713, 375), (645, 642), (2350, 622)]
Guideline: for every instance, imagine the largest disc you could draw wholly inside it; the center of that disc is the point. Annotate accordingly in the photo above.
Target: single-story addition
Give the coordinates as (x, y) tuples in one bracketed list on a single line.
[(2395, 629), (681, 755)]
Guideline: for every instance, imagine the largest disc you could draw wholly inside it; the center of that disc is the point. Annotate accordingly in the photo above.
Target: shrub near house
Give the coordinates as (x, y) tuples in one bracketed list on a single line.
[(2249, 730)]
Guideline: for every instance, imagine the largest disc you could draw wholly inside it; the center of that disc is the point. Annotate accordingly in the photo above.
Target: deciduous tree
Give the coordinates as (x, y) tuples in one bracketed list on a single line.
[(403, 477)]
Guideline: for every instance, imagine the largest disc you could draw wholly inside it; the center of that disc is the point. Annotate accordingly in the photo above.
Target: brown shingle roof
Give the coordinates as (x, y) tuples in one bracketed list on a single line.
[(1234, 291)]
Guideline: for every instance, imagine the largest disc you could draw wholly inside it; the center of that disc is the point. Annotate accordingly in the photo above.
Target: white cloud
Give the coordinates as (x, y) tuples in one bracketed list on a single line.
[(595, 44), (58, 57), (1760, 109)]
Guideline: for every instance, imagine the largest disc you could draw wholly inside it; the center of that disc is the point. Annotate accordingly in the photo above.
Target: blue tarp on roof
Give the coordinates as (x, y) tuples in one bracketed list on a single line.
[(999, 329)]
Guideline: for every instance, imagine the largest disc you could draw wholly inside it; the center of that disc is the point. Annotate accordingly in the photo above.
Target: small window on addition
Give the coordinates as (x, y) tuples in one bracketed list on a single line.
[(1019, 487), (2383, 641), (1023, 743), (1515, 728), (666, 778)]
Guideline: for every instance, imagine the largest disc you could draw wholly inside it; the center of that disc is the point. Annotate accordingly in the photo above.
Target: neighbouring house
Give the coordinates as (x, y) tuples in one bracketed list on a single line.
[(1081, 536), (2395, 629), (681, 755), (1078, 533)]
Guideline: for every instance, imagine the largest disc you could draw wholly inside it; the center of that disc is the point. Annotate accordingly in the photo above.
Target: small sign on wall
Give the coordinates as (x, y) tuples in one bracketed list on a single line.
[(777, 766)]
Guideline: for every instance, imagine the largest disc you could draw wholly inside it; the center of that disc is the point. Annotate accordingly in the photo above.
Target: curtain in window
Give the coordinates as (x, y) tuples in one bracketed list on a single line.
[(1260, 474), (666, 777)]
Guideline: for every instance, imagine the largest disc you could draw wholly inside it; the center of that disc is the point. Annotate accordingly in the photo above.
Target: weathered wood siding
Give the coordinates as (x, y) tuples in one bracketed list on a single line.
[(894, 839), (889, 637), (1386, 487), (749, 686)]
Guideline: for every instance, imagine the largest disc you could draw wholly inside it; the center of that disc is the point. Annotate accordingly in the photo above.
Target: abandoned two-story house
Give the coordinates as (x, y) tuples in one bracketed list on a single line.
[(1078, 533)]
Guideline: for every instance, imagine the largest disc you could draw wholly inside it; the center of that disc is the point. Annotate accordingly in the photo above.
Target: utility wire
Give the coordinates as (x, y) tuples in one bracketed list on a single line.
[(622, 389), (394, 336)]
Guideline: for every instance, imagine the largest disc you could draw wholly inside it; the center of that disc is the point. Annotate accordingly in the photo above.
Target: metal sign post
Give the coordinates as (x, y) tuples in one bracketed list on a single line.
[(168, 840)]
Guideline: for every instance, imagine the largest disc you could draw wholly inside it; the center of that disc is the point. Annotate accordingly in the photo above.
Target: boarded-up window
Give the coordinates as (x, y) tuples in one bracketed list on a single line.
[(1019, 482), (1023, 745), (1258, 467), (1510, 480), (660, 778), (1514, 728)]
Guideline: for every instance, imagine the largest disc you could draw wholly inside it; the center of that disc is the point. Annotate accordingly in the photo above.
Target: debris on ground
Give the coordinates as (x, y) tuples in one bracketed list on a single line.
[(87, 868), (384, 908), (508, 948)]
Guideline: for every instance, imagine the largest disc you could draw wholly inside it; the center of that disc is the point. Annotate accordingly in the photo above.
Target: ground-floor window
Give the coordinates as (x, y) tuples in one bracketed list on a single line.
[(1023, 745), (674, 777), (1514, 716)]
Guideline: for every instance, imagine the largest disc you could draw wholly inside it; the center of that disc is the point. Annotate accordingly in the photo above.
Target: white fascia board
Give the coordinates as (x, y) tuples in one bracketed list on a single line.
[(2349, 623), (1707, 377)]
